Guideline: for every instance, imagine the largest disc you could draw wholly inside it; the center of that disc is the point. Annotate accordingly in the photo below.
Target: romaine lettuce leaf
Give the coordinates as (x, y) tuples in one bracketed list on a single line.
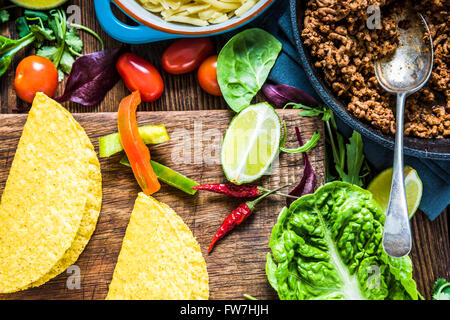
[(328, 245)]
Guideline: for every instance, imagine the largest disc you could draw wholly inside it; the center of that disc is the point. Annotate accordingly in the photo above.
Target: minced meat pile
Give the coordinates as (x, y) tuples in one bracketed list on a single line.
[(345, 50)]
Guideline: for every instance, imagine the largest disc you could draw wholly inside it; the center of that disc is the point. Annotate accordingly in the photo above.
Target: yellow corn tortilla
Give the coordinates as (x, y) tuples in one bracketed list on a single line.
[(51, 200), (90, 214), (160, 258)]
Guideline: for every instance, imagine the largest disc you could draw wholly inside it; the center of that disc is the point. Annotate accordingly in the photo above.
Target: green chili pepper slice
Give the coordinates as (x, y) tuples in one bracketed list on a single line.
[(169, 176), (151, 134)]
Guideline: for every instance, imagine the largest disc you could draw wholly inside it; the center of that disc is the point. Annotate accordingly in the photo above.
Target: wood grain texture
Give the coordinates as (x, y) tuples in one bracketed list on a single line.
[(431, 248), (237, 265)]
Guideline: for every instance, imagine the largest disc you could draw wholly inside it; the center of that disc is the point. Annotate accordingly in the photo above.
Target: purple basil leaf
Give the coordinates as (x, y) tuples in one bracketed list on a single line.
[(281, 94), (92, 76), (308, 181)]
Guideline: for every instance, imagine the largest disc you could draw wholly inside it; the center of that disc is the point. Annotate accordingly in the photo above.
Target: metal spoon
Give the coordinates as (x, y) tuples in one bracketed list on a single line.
[(404, 73)]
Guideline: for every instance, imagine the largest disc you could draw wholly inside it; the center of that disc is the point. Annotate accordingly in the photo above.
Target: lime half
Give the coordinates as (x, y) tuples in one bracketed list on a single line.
[(39, 4), (380, 188), (251, 143)]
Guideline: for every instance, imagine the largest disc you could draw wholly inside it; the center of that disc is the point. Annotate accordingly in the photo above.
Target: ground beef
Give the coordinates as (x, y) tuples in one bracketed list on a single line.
[(344, 49)]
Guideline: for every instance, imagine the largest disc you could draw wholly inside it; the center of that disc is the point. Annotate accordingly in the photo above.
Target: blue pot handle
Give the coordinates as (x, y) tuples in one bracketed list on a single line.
[(123, 32)]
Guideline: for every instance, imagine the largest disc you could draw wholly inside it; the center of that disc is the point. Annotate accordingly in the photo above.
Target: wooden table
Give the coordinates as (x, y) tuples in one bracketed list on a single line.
[(431, 245)]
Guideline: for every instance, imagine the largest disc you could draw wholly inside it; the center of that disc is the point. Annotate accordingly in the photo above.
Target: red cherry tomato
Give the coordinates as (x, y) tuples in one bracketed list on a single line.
[(207, 76), (186, 55), (35, 74), (140, 75)]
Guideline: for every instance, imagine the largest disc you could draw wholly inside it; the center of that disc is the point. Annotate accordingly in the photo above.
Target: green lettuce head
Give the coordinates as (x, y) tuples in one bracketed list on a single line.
[(328, 245)]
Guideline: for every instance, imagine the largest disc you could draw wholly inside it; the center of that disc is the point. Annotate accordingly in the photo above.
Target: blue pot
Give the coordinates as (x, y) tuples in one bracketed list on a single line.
[(153, 28)]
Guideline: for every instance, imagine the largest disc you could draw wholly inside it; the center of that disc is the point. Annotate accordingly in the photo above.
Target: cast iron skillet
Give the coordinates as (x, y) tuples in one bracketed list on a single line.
[(421, 148)]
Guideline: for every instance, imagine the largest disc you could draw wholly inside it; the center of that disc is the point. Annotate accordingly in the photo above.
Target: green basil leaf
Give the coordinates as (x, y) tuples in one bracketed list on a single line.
[(244, 64)]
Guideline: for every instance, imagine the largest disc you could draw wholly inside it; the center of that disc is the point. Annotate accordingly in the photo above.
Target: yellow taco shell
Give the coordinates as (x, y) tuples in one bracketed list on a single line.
[(160, 258), (52, 198)]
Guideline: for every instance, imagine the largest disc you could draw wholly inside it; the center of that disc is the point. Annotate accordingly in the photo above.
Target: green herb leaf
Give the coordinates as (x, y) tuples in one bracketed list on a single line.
[(311, 113), (307, 146), (4, 16), (60, 75), (66, 62), (47, 52), (33, 14), (348, 158), (9, 47), (73, 40), (41, 33), (441, 290), (355, 158), (284, 139), (22, 27), (244, 64)]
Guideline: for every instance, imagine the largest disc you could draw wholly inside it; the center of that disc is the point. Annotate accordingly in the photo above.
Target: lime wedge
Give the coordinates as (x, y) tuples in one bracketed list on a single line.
[(251, 143), (381, 186), (38, 4)]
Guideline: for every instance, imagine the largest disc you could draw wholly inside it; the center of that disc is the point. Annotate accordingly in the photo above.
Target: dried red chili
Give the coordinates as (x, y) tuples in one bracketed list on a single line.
[(237, 216), (242, 191)]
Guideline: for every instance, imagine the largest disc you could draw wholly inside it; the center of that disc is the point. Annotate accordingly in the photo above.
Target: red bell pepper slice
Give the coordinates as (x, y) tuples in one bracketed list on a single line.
[(137, 152)]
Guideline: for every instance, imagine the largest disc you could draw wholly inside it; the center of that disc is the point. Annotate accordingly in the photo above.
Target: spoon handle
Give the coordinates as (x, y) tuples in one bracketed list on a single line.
[(397, 233)]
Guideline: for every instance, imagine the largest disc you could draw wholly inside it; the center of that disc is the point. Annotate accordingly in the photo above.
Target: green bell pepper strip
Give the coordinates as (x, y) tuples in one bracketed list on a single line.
[(151, 134), (169, 176)]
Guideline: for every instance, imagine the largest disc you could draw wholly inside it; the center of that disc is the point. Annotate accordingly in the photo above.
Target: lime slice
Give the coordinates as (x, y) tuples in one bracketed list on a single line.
[(381, 186), (251, 143), (39, 4)]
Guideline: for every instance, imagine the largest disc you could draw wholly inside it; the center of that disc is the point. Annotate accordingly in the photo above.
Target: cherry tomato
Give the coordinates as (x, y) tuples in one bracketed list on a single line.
[(207, 76), (35, 74), (186, 55), (140, 75)]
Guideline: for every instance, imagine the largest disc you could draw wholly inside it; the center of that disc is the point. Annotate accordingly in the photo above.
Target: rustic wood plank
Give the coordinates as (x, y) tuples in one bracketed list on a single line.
[(237, 265), (431, 250)]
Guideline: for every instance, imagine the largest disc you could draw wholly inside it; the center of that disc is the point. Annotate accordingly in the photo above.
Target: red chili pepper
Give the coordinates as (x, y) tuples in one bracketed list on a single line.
[(242, 191), (237, 216)]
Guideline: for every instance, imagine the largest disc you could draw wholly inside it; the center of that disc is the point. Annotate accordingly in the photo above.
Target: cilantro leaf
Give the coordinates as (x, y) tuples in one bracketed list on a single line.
[(441, 290), (22, 27), (48, 52), (41, 33), (73, 40), (4, 16), (66, 62)]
